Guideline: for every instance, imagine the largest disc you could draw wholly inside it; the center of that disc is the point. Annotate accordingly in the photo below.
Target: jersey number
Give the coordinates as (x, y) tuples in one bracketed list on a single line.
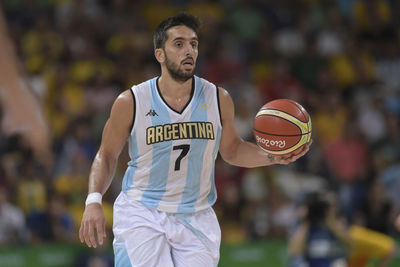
[(185, 150)]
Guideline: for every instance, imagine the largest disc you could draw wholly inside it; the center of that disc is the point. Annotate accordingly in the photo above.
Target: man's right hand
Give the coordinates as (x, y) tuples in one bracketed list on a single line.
[(93, 218)]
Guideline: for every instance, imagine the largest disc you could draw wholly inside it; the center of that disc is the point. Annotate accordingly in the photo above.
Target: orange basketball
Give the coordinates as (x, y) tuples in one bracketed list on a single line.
[(282, 127)]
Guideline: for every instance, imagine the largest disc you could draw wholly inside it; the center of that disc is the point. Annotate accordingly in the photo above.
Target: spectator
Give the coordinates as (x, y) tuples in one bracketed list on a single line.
[(54, 224), (377, 214), (12, 222), (321, 238)]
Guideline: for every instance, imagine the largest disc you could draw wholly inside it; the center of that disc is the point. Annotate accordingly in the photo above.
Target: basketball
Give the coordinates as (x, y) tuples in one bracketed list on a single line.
[(282, 127)]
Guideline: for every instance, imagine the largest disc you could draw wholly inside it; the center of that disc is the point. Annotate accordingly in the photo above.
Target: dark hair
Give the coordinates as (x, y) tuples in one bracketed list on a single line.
[(160, 35), (317, 207)]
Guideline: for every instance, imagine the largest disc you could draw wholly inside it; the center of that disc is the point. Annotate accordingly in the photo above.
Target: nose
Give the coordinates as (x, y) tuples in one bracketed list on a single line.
[(189, 50)]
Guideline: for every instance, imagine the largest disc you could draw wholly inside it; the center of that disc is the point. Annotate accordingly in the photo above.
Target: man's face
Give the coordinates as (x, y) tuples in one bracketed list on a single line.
[(181, 51)]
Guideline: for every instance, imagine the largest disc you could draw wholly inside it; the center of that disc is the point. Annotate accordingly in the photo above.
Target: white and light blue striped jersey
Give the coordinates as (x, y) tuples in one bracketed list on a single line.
[(173, 153)]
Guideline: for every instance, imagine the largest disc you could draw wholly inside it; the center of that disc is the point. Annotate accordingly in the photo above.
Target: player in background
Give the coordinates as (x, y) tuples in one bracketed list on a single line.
[(175, 125), (22, 113), (320, 226)]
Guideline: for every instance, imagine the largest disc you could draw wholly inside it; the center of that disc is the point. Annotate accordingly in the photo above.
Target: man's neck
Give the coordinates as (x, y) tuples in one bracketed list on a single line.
[(172, 88)]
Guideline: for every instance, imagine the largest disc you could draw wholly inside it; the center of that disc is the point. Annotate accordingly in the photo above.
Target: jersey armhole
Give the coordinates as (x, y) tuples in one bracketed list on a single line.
[(219, 106), (134, 109)]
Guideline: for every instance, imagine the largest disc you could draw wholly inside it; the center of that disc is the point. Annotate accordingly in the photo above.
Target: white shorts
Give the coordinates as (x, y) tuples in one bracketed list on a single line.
[(147, 237)]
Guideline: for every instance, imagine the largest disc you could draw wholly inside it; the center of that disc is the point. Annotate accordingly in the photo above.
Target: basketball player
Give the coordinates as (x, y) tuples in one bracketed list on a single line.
[(175, 125)]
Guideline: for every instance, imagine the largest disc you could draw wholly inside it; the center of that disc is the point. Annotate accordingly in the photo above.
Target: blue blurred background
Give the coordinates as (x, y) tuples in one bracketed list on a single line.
[(339, 58)]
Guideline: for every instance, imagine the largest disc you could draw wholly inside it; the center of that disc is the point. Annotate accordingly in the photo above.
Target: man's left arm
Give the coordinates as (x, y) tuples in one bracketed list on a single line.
[(235, 151)]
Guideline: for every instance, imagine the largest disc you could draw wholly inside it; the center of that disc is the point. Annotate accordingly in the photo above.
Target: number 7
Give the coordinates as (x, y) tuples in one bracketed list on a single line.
[(185, 150)]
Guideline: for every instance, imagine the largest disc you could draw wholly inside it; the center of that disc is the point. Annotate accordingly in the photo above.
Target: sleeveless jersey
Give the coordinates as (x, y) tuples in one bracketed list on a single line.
[(173, 153), (324, 249)]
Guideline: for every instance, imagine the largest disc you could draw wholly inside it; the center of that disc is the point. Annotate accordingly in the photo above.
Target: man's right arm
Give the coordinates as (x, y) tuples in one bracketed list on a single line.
[(297, 243), (115, 134)]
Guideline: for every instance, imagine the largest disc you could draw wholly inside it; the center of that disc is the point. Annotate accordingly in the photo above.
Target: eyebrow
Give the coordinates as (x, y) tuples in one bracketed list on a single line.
[(181, 38)]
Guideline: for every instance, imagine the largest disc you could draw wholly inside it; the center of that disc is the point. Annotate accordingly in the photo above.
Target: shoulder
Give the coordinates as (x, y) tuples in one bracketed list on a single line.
[(122, 112), (205, 84), (221, 92), (141, 86), (225, 98), (125, 98), (123, 104), (226, 105)]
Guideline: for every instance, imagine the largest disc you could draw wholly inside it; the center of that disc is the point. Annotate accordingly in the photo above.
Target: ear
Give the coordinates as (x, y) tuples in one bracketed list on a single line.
[(160, 55)]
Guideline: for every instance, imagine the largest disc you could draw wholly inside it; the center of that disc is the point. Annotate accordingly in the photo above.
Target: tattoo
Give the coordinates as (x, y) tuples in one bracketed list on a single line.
[(271, 157)]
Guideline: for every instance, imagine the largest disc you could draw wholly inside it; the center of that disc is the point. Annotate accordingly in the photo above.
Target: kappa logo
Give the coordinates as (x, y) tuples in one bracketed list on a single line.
[(152, 113)]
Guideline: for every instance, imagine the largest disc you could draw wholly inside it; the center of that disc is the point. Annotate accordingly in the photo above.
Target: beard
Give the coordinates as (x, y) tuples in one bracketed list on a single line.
[(176, 73)]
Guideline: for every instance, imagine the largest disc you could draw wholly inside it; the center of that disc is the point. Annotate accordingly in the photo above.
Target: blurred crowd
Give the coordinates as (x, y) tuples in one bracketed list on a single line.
[(339, 58)]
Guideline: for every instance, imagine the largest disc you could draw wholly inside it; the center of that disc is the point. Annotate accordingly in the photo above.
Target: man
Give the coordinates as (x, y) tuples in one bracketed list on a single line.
[(175, 125), (13, 228), (319, 227)]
